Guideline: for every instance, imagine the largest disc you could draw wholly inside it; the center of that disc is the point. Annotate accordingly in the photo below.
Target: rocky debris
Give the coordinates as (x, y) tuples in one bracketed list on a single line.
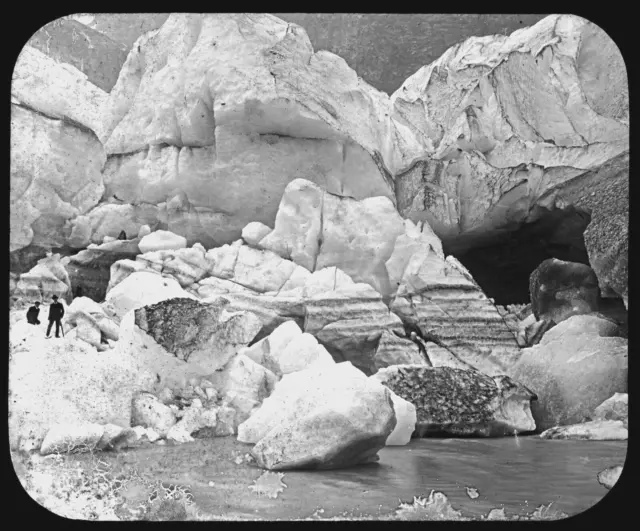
[(254, 232), (64, 381), (87, 329), (345, 317), (187, 265), (521, 311), (614, 408), (143, 288), (277, 341), (317, 229), (116, 437), (147, 411), (258, 270), (146, 434), (609, 476), (109, 329), (559, 289), (226, 422), (575, 367), (193, 419), (395, 350), (287, 349), (305, 120), (162, 240), (595, 430), (245, 384), (166, 369), (182, 352), (69, 437), (250, 270), (199, 333), (441, 299), (152, 435), (110, 311), (94, 326), (211, 393), (329, 417), (165, 395), (497, 145), (123, 268), (46, 279), (188, 412), (303, 351), (460, 402)]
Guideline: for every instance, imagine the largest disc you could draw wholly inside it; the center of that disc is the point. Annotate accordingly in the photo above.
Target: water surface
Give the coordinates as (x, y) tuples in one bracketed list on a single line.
[(518, 474)]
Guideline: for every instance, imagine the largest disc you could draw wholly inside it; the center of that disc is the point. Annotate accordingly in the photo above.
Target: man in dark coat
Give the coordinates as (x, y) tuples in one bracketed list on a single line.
[(56, 313), (32, 314)]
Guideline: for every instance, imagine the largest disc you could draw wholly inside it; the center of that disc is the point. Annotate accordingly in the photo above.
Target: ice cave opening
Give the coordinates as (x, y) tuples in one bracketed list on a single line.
[(503, 267)]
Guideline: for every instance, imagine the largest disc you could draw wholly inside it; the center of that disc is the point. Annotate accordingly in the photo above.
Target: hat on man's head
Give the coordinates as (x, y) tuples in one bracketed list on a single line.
[(55, 297), (37, 303)]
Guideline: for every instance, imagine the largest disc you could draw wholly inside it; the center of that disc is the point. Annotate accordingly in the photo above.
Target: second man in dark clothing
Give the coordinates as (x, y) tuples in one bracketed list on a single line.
[(56, 313), (32, 314)]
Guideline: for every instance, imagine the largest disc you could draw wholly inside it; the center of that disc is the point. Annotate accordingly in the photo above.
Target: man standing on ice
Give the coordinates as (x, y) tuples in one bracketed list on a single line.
[(56, 312)]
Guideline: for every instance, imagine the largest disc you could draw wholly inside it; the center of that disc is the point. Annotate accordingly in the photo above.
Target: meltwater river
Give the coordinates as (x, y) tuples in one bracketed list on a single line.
[(514, 473)]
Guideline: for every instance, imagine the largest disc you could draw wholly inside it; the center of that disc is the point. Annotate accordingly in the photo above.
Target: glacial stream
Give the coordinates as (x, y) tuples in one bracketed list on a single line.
[(517, 474)]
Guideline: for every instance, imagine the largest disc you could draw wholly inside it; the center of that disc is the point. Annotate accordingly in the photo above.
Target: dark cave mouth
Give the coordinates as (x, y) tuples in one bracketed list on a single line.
[(502, 268)]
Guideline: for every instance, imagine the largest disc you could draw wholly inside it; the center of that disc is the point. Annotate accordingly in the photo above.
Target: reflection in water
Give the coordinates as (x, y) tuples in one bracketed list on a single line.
[(517, 473)]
